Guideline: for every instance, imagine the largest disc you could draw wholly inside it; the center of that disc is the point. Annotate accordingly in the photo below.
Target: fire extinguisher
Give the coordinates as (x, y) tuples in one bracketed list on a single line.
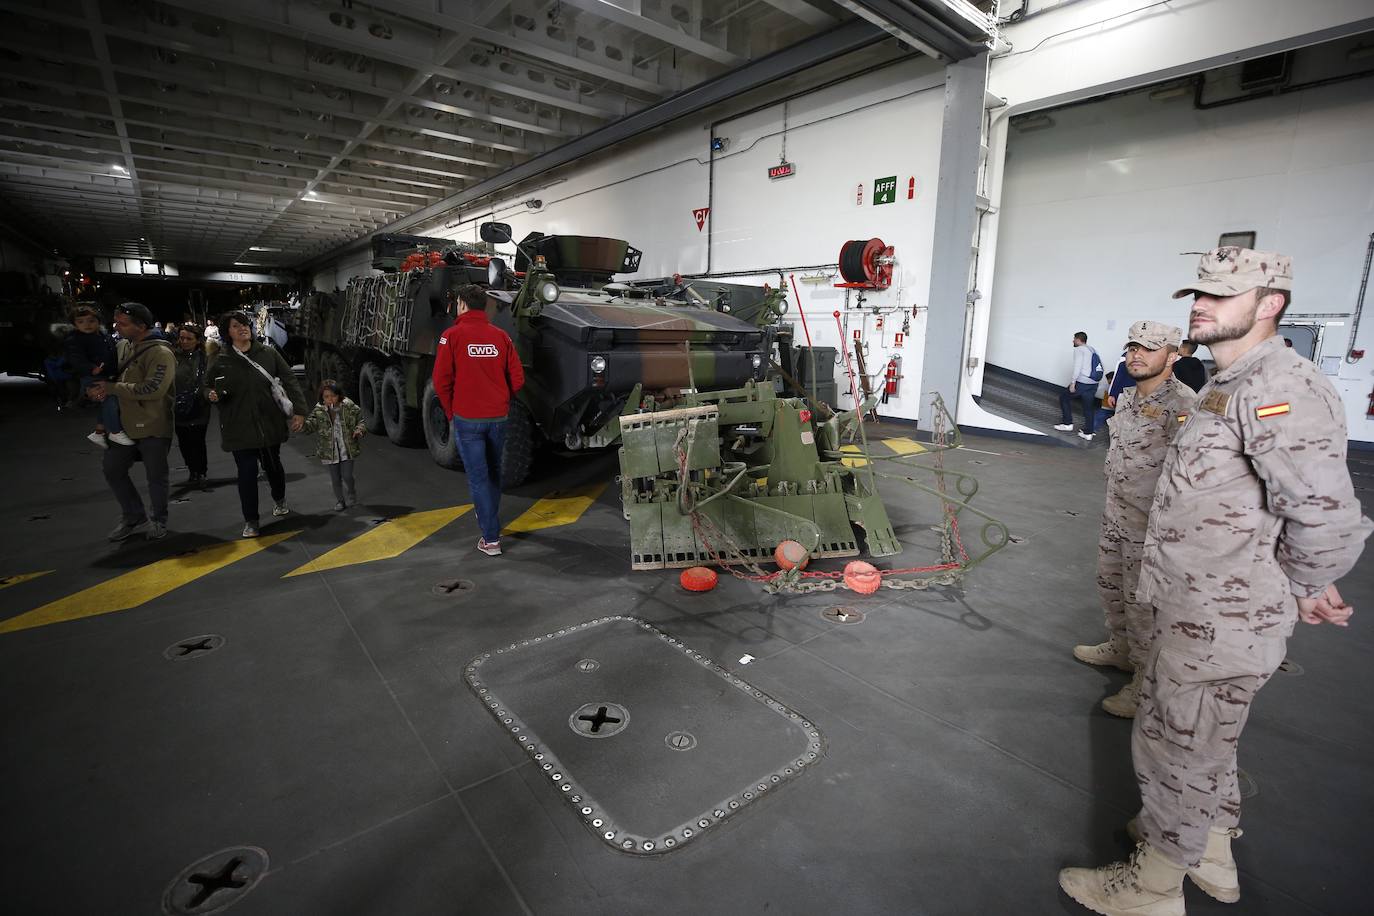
[(891, 377)]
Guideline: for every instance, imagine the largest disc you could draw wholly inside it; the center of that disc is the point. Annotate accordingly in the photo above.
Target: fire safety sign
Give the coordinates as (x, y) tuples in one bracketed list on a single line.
[(884, 190)]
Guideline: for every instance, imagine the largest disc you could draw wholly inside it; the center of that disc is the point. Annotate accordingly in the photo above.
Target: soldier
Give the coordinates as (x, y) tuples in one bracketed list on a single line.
[(1253, 522), (1147, 418)]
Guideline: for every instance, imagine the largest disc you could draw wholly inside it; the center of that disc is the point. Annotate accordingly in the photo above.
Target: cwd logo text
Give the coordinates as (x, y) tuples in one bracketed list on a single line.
[(483, 350)]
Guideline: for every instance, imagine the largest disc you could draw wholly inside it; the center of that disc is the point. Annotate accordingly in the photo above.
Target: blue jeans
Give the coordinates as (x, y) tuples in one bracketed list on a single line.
[(108, 409), (481, 445), (1086, 394)]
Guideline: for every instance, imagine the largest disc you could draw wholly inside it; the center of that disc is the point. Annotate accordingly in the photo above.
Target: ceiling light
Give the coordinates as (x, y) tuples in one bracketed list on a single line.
[(261, 248), (120, 169)]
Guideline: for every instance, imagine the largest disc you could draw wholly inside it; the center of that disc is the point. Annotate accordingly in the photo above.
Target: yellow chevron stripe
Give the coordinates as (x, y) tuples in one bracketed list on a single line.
[(904, 446), (853, 462), (559, 508), (389, 539), (7, 581), (144, 584)]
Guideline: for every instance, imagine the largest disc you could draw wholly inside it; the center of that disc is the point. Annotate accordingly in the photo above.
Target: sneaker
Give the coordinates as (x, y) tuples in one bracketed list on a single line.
[(1087, 437), (339, 506), (490, 548), (1113, 652), (280, 509), (250, 530), (98, 439), (1064, 427), (157, 531), (121, 439), (124, 529)]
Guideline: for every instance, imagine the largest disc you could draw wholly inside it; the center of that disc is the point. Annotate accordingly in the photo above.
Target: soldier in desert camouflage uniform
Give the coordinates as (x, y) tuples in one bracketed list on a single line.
[(1147, 418), (1253, 522)]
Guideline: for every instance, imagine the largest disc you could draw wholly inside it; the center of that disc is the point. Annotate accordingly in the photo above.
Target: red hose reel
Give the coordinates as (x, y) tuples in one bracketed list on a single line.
[(866, 264)]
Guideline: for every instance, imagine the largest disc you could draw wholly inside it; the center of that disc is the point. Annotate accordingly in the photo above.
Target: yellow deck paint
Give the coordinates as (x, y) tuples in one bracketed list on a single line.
[(7, 581), (904, 446), (559, 508), (142, 585), (389, 539)]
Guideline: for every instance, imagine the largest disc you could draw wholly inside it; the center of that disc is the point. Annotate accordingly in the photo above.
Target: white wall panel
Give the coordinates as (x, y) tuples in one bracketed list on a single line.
[(1096, 209)]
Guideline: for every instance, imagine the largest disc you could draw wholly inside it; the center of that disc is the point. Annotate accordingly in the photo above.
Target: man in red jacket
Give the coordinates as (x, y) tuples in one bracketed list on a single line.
[(476, 370)]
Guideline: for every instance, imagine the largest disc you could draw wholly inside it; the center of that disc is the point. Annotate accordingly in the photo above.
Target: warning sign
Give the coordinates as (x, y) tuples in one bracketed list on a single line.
[(884, 190), (700, 214)]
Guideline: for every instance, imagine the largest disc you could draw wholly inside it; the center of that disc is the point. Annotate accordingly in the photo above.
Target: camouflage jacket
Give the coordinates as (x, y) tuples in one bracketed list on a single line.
[(321, 423), (1254, 504), (1142, 429)]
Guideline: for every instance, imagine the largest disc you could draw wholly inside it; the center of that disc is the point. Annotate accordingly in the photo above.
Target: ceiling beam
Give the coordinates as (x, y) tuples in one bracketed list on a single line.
[(629, 13)]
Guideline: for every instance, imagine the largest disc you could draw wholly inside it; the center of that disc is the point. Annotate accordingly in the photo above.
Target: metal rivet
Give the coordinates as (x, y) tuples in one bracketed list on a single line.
[(670, 842), (586, 810), (609, 834), (648, 845), (597, 822)]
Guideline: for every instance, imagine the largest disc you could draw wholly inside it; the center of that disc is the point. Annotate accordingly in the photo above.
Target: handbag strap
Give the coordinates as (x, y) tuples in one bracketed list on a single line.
[(265, 374)]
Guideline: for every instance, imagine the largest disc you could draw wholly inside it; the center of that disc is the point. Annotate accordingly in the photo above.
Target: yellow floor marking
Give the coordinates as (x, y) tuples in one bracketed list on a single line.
[(389, 539), (142, 585), (853, 462), (7, 581), (561, 508), (904, 446)]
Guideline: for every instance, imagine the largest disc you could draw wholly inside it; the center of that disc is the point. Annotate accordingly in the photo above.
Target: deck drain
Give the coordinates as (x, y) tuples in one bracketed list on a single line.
[(680, 741), (599, 720), (38, 518), (843, 614), (195, 647), (1246, 785), (1288, 666), (454, 588), (588, 665), (215, 882)]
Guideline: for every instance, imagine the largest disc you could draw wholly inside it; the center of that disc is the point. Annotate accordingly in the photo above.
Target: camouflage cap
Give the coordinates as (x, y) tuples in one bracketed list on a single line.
[(1230, 270), (1154, 334)]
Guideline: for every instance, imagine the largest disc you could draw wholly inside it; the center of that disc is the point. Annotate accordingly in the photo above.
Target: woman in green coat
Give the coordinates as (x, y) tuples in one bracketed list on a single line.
[(251, 383)]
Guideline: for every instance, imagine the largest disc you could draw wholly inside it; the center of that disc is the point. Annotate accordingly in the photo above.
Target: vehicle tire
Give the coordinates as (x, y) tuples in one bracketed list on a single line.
[(443, 444), (521, 438), (370, 397), (333, 365), (402, 422)]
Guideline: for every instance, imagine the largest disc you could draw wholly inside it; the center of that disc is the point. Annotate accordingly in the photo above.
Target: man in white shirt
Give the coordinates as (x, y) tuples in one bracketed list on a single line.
[(1082, 387)]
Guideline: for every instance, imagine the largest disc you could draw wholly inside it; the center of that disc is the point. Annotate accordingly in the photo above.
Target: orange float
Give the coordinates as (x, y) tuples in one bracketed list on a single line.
[(698, 579), (862, 577), (791, 555)]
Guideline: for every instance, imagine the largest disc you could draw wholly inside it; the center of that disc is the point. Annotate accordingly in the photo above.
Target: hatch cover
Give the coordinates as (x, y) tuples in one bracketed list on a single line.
[(681, 744)]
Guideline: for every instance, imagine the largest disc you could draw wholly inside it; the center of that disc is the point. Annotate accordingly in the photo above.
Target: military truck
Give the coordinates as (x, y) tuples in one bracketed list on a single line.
[(33, 323), (591, 349)]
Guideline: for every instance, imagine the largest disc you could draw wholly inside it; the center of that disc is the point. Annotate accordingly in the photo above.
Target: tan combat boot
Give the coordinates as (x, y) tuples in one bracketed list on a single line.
[(1123, 703), (1216, 874), (1147, 884), (1113, 652)]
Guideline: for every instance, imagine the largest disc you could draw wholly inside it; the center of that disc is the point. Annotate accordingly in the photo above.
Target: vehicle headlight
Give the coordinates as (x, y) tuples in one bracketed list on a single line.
[(756, 361), (548, 291), (598, 364)]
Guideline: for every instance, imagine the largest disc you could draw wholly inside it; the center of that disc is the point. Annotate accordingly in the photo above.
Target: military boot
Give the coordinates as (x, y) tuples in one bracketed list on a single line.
[(1147, 884), (1113, 652), (1123, 703), (1216, 874)]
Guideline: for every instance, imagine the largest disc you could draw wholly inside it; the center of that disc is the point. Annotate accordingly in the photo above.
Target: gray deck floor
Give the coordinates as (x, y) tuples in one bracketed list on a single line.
[(966, 756)]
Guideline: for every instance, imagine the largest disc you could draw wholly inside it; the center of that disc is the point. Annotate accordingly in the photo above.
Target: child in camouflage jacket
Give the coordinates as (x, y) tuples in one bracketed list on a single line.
[(338, 426)]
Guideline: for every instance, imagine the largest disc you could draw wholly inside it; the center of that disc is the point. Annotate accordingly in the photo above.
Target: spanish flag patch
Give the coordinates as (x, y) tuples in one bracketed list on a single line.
[(1273, 410)]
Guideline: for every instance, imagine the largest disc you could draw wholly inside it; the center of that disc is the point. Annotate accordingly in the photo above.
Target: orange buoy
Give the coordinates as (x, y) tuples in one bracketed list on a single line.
[(698, 579), (791, 555), (862, 577)]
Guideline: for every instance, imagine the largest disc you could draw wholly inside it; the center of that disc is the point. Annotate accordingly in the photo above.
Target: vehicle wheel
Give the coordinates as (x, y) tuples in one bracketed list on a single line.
[(370, 397), (443, 444), (333, 365), (401, 421), (521, 438)]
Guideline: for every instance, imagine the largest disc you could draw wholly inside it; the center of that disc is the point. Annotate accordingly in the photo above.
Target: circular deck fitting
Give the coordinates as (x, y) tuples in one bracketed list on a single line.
[(680, 741), (454, 588), (588, 665), (598, 720), (215, 882), (193, 647), (843, 614), (1246, 785)]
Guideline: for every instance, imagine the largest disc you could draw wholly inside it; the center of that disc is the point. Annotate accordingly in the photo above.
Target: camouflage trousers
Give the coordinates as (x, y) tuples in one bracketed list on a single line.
[(1199, 684), (1118, 571)]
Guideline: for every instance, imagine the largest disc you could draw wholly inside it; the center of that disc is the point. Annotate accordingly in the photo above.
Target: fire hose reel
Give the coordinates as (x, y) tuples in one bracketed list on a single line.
[(866, 264)]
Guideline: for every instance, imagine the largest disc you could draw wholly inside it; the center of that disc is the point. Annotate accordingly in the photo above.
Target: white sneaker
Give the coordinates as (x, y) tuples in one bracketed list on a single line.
[(121, 439), (98, 439), (280, 509), (250, 530), (1087, 437), (1064, 427)]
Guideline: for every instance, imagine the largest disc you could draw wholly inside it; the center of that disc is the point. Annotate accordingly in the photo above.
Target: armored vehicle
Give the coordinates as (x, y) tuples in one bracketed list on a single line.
[(591, 349)]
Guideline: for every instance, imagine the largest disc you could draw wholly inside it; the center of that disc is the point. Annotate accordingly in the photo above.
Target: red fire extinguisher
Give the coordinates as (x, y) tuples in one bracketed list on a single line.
[(891, 377)]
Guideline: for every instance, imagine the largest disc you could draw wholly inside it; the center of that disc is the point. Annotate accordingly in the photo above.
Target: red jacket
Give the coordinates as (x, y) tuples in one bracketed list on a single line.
[(476, 369)]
